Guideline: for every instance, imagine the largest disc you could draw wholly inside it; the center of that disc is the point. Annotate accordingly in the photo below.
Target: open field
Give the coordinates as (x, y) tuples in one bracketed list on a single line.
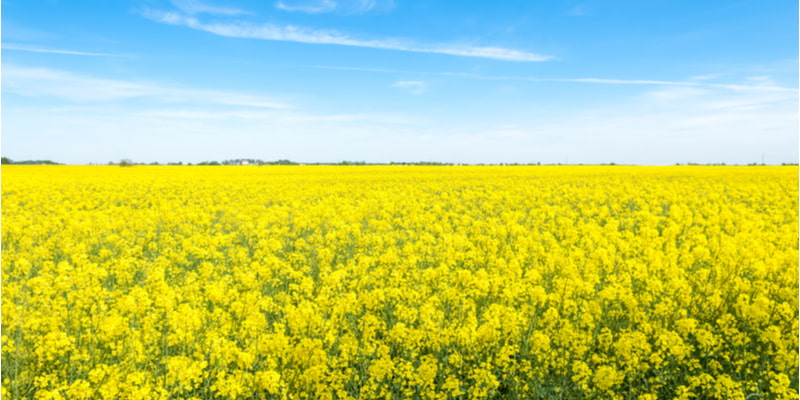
[(399, 282)]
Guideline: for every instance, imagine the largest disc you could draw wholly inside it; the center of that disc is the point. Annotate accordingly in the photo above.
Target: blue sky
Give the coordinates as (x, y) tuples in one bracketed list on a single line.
[(634, 82)]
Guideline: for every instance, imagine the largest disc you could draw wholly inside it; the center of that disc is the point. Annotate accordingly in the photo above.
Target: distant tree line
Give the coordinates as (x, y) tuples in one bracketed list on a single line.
[(250, 161), (6, 160), (126, 162)]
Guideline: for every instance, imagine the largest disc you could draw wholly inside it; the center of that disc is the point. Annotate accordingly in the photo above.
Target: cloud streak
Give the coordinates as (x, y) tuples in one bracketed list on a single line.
[(59, 51), (413, 87), (338, 6), (683, 124), (320, 7), (45, 82), (664, 125), (196, 7), (758, 86), (291, 33)]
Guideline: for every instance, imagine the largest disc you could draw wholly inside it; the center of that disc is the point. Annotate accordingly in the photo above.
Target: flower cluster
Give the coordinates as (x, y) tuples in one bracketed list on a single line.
[(398, 282)]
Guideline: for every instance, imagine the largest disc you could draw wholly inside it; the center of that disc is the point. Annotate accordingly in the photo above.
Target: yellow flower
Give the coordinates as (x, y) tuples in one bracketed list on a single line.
[(80, 389), (384, 282), (606, 377), (270, 381)]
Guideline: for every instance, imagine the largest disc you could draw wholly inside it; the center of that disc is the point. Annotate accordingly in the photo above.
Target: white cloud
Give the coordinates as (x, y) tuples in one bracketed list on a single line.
[(752, 84), (273, 116), (705, 77), (291, 33), (364, 69), (673, 94), (413, 87), (679, 124), (713, 126), (197, 7), (57, 51), (310, 7), (622, 81), (660, 126), (338, 6), (45, 82), (761, 85), (667, 122)]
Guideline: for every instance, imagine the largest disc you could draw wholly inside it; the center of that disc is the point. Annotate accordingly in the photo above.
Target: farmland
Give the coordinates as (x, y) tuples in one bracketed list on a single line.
[(399, 282)]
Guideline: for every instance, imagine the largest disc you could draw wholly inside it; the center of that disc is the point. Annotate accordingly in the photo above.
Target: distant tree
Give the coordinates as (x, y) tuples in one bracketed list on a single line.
[(36, 162), (7, 160), (284, 162), (125, 162)]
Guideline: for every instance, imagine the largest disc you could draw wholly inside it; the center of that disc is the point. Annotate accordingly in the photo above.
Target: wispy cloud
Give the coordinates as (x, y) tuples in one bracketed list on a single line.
[(413, 87), (660, 125), (58, 51), (310, 7), (291, 33), (750, 84), (673, 94), (705, 77), (760, 85), (362, 69), (682, 124), (338, 6), (197, 7), (45, 82), (275, 116), (617, 81), (368, 5)]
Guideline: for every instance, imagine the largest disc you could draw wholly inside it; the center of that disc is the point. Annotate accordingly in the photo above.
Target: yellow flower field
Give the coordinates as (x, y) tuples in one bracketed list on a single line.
[(399, 282)]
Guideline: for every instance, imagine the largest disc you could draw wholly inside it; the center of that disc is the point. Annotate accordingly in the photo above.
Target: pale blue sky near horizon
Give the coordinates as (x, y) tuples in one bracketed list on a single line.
[(629, 82)]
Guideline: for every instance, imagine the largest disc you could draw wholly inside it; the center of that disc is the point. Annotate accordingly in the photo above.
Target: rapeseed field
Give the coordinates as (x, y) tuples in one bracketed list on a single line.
[(390, 282)]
